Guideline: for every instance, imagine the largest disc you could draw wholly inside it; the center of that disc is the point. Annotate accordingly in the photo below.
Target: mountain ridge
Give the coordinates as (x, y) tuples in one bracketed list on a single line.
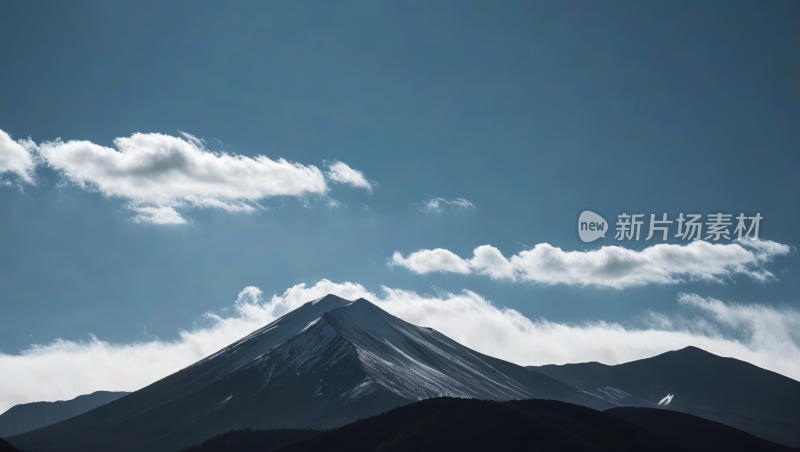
[(30, 416), (692, 380)]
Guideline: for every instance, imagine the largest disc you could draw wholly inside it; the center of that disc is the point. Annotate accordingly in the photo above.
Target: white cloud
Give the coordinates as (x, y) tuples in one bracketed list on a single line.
[(768, 328), (609, 266), (157, 173), (438, 260), (160, 174), (436, 205), (759, 334), (163, 170), (343, 174), (16, 157), (158, 215)]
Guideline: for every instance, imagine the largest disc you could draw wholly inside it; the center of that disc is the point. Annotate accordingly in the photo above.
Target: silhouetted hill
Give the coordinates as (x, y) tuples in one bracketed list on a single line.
[(5, 447), (252, 440), (785, 433), (695, 433), (693, 381), (468, 424), (30, 416)]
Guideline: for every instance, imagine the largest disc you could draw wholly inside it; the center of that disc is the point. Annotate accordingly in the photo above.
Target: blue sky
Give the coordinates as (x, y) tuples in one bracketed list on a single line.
[(530, 111)]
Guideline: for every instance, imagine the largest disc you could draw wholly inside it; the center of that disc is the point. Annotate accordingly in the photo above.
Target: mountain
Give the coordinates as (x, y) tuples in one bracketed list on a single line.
[(5, 447), (250, 440), (468, 424), (30, 416), (693, 432), (323, 365), (694, 381)]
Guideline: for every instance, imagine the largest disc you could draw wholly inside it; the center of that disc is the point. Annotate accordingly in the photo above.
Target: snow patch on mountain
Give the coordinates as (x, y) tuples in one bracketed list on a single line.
[(612, 393), (223, 402)]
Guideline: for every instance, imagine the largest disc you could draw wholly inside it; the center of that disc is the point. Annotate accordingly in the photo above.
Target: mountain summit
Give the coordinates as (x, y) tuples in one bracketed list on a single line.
[(323, 365)]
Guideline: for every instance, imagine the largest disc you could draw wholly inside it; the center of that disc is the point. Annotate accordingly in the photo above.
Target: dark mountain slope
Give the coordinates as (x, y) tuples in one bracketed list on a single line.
[(5, 447), (252, 440), (693, 432), (778, 432), (30, 416)]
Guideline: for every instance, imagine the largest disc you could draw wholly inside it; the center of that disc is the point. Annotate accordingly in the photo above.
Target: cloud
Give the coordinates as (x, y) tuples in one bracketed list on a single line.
[(158, 215), (759, 334), (438, 260), (157, 173), (17, 157), (160, 174), (768, 328), (610, 266), (341, 173), (435, 205)]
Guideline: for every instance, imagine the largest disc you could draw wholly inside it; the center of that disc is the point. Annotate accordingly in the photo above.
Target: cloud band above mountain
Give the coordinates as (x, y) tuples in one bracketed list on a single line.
[(610, 266), (759, 334)]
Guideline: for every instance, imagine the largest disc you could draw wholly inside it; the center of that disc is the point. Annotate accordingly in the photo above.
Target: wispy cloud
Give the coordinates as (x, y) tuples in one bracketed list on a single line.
[(438, 205), (759, 334), (609, 266), (157, 215), (764, 328), (341, 173), (158, 174), (17, 157)]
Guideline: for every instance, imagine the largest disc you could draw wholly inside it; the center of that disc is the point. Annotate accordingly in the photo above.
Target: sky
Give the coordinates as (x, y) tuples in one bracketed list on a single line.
[(176, 175)]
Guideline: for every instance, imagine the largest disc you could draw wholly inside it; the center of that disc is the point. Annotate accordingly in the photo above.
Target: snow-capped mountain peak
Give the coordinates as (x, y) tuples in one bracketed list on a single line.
[(325, 364)]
